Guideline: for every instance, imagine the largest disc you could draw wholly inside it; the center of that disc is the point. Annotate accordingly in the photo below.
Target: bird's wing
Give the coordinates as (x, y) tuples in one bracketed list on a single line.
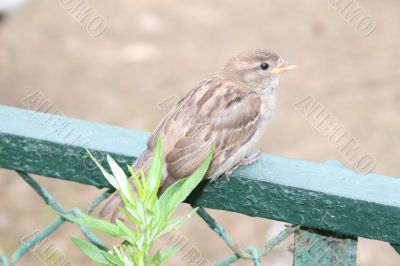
[(223, 115), (211, 113)]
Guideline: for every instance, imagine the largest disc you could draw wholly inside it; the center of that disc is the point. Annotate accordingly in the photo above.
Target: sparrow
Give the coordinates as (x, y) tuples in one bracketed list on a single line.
[(230, 109)]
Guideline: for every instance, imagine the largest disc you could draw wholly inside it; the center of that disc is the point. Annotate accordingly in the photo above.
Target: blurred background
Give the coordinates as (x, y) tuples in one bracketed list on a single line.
[(152, 50)]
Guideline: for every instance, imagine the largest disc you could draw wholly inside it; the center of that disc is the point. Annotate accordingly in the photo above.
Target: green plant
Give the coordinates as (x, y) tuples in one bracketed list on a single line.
[(150, 215)]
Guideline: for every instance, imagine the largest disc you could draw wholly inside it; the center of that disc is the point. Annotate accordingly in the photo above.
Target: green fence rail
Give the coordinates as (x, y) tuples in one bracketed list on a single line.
[(328, 204)]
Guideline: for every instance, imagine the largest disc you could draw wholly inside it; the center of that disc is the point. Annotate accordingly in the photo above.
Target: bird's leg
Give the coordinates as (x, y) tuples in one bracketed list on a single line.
[(249, 159)]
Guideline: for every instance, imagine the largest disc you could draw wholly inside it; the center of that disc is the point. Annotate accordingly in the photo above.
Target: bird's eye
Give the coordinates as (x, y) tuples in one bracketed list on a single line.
[(264, 66)]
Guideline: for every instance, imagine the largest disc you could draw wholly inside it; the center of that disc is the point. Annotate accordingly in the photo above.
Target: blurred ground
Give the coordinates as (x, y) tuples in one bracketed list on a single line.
[(152, 50)]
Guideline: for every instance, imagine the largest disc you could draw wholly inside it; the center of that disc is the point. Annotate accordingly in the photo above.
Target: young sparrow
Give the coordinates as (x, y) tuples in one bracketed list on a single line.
[(230, 109)]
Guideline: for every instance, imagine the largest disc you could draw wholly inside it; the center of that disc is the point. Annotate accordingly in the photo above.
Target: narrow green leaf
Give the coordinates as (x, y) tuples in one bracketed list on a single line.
[(98, 224), (127, 262), (180, 190), (154, 174), (137, 183), (174, 224), (132, 215), (114, 260), (122, 180), (143, 176), (164, 211), (110, 178), (119, 251), (129, 235), (90, 250), (164, 256)]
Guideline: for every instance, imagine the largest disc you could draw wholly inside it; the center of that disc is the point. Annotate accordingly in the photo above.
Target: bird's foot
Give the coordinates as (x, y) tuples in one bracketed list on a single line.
[(249, 159), (227, 174)]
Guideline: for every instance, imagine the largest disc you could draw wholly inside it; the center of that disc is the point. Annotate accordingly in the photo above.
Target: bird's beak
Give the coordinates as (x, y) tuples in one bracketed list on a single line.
[(282, 67)]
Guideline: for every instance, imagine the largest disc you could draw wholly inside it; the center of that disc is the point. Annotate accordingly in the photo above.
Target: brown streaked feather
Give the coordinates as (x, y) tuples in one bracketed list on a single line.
[(230, 124)]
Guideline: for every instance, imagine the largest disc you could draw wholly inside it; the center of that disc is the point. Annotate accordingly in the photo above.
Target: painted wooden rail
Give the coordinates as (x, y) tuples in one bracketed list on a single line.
[(333, 205)]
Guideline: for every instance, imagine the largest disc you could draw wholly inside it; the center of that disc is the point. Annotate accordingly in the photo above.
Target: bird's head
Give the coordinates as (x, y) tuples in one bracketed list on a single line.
[(259, 69)]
